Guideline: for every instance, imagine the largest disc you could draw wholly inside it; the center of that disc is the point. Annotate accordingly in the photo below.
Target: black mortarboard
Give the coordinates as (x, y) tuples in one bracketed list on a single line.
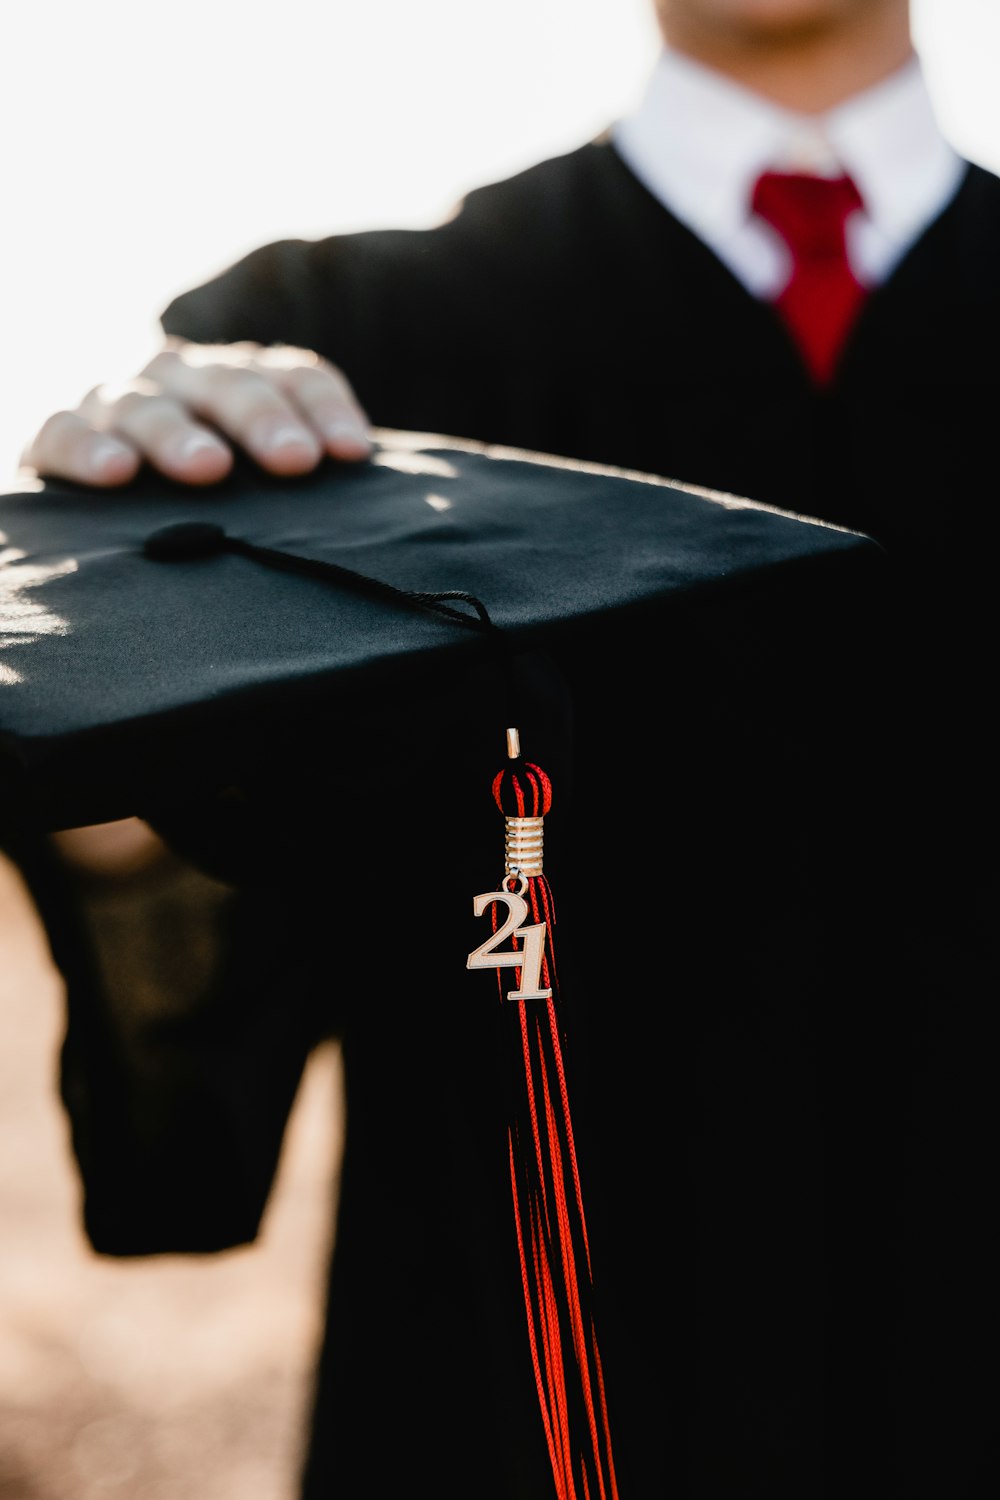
[(135, 660), (159, 644)]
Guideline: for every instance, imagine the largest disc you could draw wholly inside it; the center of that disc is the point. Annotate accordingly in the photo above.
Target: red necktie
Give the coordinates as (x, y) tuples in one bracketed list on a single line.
[(821, 300)]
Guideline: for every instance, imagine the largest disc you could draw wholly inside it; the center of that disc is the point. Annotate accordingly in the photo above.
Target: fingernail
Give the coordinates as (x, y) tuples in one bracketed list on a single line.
[(285, 435), (341, 431), (193, 444), (107, 454)]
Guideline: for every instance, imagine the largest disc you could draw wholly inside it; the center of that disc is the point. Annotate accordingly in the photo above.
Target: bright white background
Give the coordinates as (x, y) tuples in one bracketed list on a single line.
[(145, 144)]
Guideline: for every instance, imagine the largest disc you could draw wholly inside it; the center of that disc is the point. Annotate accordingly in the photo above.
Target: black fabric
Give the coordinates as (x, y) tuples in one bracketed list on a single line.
[(772, 852)]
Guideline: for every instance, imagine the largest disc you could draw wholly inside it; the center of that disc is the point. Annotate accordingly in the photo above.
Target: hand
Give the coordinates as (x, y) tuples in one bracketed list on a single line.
[(193, 404)]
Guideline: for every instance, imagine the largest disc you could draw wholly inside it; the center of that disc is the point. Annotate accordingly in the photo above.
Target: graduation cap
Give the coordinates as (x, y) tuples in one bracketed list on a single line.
[(157, 644), (146, 634)]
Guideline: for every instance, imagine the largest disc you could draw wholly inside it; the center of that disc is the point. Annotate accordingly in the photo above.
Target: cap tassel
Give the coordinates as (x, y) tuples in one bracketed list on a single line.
[(549, 1217)]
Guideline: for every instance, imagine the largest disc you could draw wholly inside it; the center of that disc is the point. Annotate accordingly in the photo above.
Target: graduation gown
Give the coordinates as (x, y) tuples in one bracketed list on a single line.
[(782, 1066)]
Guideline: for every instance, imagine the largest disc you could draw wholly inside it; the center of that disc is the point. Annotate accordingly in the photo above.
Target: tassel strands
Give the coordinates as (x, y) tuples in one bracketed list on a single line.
[(549, 1219)]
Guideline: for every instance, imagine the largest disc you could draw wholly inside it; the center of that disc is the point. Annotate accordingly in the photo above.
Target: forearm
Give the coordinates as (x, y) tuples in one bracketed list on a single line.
[(271, 295)]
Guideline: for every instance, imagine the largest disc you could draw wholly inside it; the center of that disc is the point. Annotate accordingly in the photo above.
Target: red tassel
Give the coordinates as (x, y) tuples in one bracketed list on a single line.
[(549, 1217)]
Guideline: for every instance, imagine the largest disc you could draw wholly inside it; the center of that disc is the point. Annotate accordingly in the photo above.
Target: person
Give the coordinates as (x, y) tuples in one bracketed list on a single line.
[(774, 279)]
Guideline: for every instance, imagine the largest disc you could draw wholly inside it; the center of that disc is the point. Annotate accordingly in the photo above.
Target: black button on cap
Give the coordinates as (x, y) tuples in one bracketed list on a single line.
[(184, 541)]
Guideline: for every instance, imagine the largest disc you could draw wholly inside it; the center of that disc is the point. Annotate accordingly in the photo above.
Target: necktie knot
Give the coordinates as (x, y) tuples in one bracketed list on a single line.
[(808, 212), (823, 296)]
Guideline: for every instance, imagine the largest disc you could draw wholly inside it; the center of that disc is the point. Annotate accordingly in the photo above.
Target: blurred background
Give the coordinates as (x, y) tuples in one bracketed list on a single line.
[(143, 148)]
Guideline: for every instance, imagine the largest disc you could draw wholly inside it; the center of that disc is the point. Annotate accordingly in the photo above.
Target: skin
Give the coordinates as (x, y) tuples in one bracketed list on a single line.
[(807, 55), (192, 406)]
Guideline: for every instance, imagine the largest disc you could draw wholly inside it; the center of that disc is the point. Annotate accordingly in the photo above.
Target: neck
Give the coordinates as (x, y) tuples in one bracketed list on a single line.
[(809, 69)]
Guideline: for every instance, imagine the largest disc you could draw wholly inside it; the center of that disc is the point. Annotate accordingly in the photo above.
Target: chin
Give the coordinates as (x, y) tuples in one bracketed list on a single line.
[(764, 17)]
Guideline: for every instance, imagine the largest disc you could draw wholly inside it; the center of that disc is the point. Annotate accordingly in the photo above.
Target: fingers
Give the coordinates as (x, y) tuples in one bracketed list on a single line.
[(160, 429), (193, 404), (245, 406), (286, 406), (322, 394), (66, 446)]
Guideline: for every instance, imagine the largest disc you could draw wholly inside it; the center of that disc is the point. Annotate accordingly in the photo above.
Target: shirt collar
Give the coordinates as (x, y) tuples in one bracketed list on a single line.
[(889, 141), (699, 140)]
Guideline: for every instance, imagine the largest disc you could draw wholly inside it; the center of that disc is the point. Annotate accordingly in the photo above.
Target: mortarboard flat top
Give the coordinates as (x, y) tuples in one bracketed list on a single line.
[(114, 665)]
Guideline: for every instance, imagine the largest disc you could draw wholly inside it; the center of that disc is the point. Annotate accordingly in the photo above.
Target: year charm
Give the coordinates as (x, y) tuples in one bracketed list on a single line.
[(527, 958)]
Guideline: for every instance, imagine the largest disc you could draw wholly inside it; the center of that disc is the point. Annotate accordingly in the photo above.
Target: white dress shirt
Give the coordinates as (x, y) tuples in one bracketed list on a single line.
[(698, 141)]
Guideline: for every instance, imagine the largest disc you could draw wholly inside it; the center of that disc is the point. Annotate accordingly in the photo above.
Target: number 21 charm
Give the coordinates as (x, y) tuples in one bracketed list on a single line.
[(529, 958)]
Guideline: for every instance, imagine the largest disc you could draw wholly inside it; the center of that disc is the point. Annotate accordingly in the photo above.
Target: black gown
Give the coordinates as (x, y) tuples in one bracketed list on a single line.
[(787, 1115)]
